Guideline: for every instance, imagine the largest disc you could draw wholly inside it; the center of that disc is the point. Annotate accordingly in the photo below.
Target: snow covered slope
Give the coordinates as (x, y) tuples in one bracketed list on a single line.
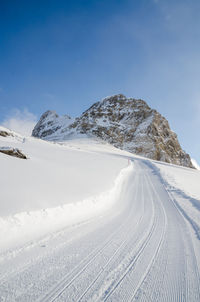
[(185, 179), (84, 221), (67, 177)]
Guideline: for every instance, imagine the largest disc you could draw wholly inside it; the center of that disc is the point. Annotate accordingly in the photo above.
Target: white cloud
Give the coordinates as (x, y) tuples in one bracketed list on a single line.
[(21, 121)]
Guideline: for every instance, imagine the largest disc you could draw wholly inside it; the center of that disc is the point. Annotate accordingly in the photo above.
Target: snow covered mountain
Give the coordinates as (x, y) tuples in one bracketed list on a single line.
[(51, 123), (127, 123)]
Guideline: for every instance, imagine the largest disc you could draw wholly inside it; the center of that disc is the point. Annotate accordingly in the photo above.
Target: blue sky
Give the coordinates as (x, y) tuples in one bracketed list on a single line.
[(65, 55)]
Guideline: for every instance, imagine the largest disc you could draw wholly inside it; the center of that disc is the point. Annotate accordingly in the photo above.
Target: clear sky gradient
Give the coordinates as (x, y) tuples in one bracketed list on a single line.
[(65, 55)]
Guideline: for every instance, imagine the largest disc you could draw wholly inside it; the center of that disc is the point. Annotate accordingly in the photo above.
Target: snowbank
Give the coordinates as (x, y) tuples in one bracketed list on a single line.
[(28, 226), (184, 179)]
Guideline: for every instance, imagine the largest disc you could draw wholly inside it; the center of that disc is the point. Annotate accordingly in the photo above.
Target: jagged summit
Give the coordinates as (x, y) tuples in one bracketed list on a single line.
[(51, 123), (127, 123)]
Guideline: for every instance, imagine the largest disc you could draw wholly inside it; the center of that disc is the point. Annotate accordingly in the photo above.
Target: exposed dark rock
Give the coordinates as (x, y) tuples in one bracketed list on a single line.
[(13, 152), (5, 133)]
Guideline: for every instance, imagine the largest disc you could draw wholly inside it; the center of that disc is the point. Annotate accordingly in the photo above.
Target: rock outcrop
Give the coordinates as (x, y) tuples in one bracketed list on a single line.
[(13, 152), (127, 123), (5, 133)]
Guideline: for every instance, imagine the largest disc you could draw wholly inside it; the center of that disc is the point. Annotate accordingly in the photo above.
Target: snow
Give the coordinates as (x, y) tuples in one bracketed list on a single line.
[(195, 164), (141, 129), (51, 121), (59, 184), (6, 148), (35, 224), (185, 179), (84, 221)]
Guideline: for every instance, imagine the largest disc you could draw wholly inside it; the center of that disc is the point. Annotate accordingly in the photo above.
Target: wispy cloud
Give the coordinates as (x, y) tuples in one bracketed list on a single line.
[(21, 121), (49, 95)]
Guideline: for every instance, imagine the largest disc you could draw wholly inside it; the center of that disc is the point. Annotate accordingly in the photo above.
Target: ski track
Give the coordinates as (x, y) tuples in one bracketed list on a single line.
[(141, 250)]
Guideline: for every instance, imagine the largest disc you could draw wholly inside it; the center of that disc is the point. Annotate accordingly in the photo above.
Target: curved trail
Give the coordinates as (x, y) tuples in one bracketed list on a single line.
[(142, 250)]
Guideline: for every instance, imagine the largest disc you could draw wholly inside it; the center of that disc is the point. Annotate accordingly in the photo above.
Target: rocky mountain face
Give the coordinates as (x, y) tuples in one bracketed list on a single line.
[(127, 123), (51, 125)]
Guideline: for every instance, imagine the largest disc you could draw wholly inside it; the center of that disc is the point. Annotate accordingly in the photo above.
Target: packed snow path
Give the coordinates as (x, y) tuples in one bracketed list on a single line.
[(141, 250)]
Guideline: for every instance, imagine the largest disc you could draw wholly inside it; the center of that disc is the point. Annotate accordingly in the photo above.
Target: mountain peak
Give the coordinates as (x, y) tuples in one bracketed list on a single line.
[(126, 123), (50, 122), (115, 98), (49, 113)]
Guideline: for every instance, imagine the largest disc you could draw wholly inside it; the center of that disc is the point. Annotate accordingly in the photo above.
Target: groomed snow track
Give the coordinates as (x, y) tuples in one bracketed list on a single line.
[(141, 250)]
